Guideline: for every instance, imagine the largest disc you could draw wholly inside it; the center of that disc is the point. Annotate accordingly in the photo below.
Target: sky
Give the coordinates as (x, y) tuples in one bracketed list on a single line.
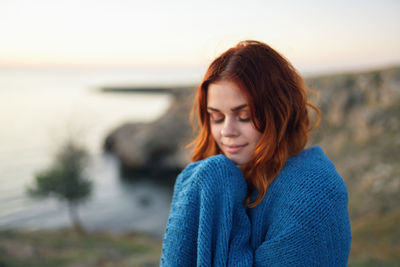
[(316, 36)]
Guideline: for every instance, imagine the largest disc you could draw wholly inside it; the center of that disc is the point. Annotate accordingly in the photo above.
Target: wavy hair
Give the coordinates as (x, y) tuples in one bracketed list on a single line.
[(277, 100)]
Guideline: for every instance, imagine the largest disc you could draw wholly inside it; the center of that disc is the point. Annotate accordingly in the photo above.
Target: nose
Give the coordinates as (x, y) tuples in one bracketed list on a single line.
[(229, 128)]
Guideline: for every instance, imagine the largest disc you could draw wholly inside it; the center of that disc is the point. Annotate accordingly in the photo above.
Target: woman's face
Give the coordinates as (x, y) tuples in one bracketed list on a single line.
[(231, 126)]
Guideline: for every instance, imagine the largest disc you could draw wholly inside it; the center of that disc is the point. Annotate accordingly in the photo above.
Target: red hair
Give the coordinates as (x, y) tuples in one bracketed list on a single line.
[(277, 100)]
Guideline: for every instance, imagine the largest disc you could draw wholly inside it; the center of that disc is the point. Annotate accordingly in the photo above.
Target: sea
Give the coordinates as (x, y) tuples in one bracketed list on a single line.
[(40, 108)]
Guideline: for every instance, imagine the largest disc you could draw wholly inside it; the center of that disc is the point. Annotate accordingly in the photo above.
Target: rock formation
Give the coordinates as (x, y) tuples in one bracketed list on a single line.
[(360, 131), (159, 146)]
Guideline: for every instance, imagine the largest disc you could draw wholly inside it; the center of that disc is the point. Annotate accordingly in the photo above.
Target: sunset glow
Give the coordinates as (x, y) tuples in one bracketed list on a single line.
[(316, 37)]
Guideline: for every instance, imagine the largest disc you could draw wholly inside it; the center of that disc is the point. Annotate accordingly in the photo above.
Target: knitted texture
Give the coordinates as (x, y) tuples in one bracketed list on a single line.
[(302, 221)]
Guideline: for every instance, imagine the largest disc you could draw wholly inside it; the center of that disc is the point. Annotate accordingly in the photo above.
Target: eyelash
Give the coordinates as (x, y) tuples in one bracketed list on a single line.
[(221, 120)]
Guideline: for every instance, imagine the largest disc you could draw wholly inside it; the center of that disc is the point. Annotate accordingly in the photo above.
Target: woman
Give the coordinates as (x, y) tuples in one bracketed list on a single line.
[(254, 196)]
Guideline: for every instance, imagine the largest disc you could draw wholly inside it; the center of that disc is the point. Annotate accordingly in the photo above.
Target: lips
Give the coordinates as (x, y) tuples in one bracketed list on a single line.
[(233, 149)]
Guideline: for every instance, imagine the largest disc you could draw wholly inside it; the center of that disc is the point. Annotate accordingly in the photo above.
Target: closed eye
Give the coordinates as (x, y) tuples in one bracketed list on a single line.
[(244, 116), (216, 117)]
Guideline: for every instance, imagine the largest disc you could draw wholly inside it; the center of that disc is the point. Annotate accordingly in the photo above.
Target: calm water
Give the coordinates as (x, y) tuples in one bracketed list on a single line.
[(38, 108)]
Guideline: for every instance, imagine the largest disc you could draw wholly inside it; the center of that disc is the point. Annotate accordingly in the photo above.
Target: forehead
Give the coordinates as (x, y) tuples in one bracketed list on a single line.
[(224, 95)]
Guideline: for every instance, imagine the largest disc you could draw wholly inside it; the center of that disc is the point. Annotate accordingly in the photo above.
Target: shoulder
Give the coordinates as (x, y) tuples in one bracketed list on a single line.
[(309, 184), (313, 170), (214, 173), (211, 166)]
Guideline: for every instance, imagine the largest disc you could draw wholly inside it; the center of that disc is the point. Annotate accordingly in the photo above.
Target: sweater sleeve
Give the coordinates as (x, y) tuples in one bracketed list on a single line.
[(208, 224), (313, 228)]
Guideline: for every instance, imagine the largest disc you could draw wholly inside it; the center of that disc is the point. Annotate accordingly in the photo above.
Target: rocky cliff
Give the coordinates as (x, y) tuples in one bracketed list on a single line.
[(360, 132), (156, 147)]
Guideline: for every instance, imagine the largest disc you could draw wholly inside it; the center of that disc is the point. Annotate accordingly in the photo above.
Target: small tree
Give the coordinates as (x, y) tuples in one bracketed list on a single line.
[(65, 180)]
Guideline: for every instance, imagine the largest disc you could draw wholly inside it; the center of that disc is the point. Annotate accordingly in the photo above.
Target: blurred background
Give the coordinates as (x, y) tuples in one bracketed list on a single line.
[(117, 78)]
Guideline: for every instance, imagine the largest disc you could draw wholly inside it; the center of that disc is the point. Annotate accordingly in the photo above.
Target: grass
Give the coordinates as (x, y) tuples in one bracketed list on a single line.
[(376, 240), (66, 248)]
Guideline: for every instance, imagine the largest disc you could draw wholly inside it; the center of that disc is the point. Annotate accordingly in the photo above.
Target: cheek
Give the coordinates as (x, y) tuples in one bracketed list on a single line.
[(252, 134), (257, 137), (215, 132)]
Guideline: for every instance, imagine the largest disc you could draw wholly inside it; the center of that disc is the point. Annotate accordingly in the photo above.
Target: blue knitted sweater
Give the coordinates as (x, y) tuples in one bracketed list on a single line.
[(302, 221)]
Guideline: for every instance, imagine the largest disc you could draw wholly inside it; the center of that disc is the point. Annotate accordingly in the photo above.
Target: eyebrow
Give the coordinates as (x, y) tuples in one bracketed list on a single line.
[(233, 109)]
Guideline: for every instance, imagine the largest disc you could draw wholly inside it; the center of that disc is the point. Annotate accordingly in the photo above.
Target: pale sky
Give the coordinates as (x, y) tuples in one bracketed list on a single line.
[(316, 36)]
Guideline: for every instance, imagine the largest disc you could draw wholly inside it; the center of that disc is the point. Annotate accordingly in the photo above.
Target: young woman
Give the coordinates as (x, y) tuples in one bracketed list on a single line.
[(254, 195)]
